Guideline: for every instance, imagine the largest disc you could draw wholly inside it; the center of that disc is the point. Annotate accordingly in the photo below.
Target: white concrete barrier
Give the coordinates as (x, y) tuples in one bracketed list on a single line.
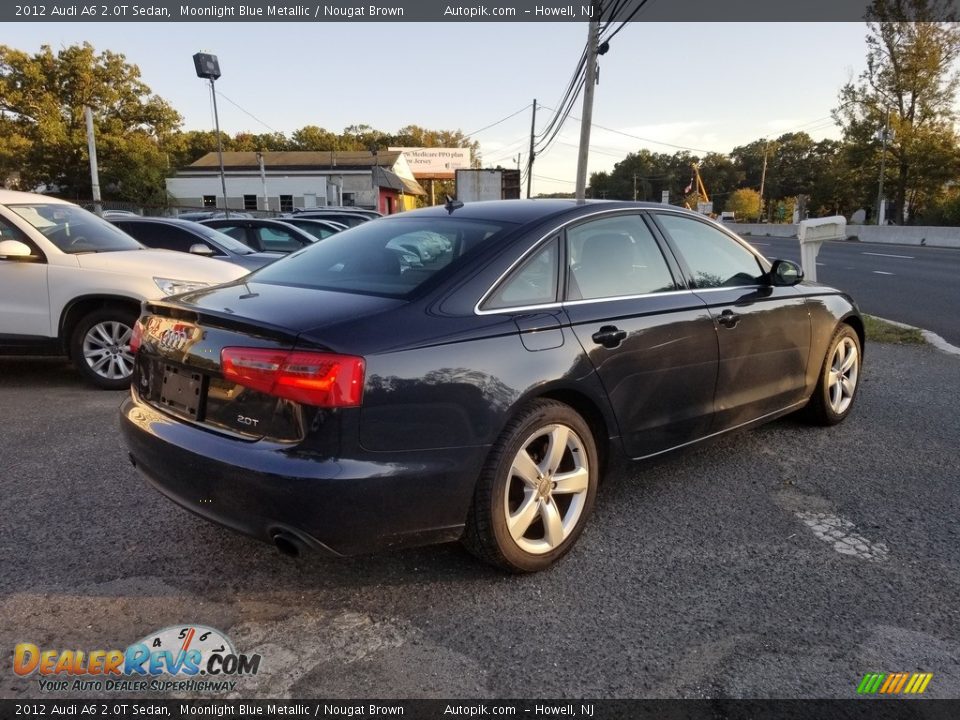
[(924, 235), (812, 233)]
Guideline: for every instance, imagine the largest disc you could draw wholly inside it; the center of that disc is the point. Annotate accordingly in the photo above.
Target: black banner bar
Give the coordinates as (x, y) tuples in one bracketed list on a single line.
[(301, 11), (855, 709)]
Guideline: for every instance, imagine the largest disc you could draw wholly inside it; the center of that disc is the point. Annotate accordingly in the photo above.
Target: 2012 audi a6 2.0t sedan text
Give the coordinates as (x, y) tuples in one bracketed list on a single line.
[(354, 397)]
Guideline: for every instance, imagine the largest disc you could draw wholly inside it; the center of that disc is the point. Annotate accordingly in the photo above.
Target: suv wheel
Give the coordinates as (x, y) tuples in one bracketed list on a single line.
[(100, 347)]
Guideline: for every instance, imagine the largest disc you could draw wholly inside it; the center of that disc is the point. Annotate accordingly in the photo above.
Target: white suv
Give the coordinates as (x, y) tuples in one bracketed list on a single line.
[(71, 283)]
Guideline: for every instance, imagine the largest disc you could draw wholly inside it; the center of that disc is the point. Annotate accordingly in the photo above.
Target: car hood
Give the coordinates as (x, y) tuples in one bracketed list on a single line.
[(162, 263), (293, 309)]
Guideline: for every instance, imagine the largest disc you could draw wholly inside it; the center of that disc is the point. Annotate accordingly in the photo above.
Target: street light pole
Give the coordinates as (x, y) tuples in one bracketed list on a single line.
[(223, 176), (207, 66)]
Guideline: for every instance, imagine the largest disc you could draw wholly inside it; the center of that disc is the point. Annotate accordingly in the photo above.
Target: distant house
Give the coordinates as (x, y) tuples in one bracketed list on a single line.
[(298, 179)]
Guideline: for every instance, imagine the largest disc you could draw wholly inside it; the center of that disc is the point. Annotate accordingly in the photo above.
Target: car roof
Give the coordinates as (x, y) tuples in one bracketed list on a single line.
[(16, 196), (526, 211), (164, 220)]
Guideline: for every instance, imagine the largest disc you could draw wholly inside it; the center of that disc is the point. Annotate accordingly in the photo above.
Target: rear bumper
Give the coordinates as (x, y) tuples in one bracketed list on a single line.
[(354, 503)]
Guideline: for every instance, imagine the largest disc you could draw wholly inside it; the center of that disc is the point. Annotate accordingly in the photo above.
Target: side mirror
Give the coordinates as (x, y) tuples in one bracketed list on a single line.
[(785, 273), (15, 250), (201, 249)]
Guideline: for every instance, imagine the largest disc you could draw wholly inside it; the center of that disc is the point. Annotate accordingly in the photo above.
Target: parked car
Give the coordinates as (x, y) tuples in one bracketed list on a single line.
[(350, 219), (372, 214), (343, 402), (264, 235), (71, 284), (320, 229), (198, 215), (192, 237)]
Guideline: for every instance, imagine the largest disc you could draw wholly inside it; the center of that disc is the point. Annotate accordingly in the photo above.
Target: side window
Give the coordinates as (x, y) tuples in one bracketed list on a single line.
[(276, 240), (615, 256), (533, 283), (164, 237), (234, 231), (715, 259)]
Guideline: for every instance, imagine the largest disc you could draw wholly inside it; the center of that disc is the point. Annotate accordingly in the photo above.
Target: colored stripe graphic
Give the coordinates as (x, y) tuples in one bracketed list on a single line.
[(894, 683), (870, 683)]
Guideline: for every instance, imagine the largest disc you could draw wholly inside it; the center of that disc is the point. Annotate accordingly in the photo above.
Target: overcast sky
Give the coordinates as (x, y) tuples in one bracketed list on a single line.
[(706, 87)]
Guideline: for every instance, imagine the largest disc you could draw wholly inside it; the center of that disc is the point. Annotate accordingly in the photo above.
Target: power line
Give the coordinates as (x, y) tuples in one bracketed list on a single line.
[(494, 124), (544, 177), (630, 17), (649, 140), (247, 112)]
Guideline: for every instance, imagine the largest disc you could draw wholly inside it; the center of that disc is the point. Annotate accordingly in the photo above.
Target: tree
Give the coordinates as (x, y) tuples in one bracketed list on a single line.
[(744, 203), (43, 132), (910, 78)]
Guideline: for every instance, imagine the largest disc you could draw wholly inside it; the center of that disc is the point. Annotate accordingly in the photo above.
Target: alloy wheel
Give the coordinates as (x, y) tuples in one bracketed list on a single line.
[(547, 488), (106, 350), (843, 375)]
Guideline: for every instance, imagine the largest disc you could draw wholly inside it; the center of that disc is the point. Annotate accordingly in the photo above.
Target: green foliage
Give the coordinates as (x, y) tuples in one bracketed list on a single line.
[(43, 132), (910, 79), (745, 203)]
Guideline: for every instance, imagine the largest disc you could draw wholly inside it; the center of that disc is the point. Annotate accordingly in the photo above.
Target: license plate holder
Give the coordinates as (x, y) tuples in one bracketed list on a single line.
[(181, 391)]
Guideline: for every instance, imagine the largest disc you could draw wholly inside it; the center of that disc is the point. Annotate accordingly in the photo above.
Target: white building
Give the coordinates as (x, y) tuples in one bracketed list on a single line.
[(282, 181)]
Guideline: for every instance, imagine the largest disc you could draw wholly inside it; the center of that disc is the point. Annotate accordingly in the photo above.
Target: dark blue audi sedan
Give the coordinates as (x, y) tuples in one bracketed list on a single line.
[(464, 372)]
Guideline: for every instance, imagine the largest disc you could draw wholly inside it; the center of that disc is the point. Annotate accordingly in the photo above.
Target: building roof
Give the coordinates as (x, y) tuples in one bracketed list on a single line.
[(386, 179), (297, 160)]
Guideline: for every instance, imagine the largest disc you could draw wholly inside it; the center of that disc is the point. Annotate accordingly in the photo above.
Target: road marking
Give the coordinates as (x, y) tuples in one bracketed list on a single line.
[(902, 257), (881, 272), (838, 532)]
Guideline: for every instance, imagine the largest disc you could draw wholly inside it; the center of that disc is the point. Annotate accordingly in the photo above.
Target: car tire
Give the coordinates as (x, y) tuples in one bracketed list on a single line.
[(531, 504), (839, 380), (100, 347)]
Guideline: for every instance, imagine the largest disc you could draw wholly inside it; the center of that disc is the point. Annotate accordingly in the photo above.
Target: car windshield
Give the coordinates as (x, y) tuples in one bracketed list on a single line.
[(74, 230), (223, 240), (390, 257)]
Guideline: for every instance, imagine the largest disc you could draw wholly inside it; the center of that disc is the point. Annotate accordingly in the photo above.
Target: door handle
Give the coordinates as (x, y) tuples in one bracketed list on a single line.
[(610, 336), (728, 318)]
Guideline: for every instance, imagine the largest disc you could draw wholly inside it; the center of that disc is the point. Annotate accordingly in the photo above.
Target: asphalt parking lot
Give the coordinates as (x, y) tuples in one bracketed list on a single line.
[(783, 562)]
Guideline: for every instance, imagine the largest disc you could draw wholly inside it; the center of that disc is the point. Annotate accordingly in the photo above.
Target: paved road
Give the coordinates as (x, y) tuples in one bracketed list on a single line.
[(710, 574), (916, 285)]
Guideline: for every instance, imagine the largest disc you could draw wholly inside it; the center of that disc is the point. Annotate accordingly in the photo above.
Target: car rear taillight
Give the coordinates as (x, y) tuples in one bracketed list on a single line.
[(136, 336), (313, 378)]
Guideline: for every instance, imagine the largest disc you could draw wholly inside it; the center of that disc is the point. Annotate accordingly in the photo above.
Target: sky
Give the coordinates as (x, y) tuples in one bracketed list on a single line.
[(697, 86)]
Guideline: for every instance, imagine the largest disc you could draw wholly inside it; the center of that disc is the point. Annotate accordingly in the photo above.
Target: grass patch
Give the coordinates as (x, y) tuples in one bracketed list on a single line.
[(881, 331)]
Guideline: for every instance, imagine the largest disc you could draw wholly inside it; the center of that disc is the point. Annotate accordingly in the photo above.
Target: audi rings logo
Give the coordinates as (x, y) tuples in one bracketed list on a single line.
[(174, 338)]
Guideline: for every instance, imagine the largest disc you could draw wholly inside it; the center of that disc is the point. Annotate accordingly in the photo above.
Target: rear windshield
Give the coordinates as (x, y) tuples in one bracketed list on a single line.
[(74, 230), (390, 257)]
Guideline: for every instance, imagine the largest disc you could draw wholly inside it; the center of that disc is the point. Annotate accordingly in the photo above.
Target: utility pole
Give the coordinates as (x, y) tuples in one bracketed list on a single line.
[(634, 187), (881, 209), (763, 178), (263, 180), (94, 173), (533, 129), (593, 35)]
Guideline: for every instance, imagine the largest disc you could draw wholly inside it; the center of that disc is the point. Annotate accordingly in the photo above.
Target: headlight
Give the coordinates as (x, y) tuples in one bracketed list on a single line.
[(169, 286)]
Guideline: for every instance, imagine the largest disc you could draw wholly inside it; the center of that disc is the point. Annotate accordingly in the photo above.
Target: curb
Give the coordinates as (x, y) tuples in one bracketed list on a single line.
[(931, 337)]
